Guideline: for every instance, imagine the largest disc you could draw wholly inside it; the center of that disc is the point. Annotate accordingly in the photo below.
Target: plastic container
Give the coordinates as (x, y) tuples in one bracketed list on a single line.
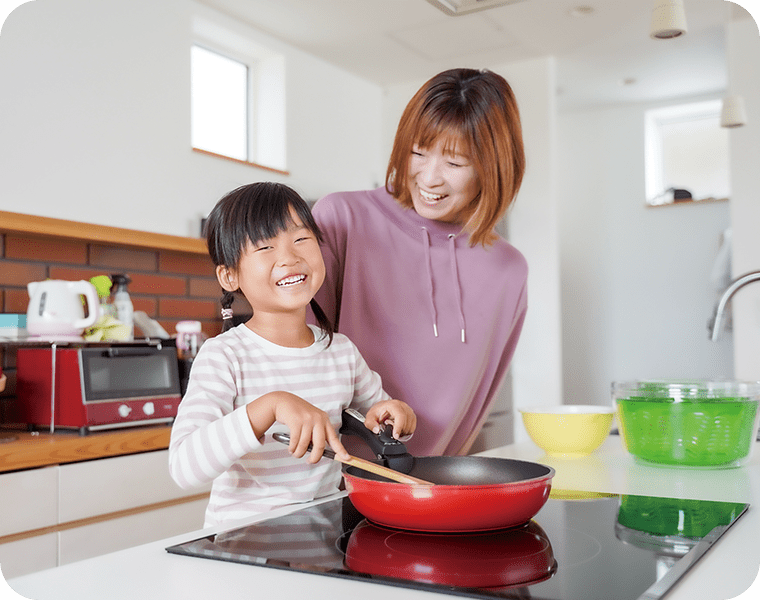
[(568, 430), (694, 424), (189, 339)]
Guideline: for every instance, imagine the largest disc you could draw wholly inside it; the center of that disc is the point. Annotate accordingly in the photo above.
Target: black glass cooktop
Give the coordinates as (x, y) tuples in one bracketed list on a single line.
[(580, 546)]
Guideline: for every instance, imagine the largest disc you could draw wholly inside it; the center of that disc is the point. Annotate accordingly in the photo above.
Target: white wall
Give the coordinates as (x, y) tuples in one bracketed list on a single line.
[(744, 79), (636, 281), (95, 117)]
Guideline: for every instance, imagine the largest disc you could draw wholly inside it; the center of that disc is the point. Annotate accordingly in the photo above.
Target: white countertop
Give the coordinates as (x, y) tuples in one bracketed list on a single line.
[(149, 572)]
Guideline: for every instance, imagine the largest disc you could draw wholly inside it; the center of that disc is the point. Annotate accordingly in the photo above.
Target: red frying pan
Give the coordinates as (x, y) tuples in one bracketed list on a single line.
[(470, 493)]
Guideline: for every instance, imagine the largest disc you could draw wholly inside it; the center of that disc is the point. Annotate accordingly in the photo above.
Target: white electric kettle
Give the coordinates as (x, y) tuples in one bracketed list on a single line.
[(55, 307)]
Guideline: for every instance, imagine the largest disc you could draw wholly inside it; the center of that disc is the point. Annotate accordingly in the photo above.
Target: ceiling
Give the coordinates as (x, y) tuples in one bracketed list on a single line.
[(602, 47)]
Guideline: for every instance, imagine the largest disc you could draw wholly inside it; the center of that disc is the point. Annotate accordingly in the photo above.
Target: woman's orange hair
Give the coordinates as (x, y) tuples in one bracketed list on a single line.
[(474, 112)]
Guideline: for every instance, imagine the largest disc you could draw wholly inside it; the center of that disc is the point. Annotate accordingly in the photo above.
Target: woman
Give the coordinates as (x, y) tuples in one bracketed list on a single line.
[(416, 275)]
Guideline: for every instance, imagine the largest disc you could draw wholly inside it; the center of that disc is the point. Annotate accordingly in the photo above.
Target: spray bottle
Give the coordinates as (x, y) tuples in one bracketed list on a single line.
[(123, 303)]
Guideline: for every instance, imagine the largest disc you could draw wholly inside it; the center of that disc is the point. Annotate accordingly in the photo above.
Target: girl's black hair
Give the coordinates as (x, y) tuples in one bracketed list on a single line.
[(252, 213)]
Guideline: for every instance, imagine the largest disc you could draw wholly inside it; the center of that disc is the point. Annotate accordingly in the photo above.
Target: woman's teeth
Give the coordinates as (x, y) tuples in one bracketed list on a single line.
[(292, 280), (430, 197)]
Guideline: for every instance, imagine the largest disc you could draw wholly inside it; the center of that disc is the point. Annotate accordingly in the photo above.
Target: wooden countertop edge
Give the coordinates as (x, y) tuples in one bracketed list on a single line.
[(12, 222), (32, 450)]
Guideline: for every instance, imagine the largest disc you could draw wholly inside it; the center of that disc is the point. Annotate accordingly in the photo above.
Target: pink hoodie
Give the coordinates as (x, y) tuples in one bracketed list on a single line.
[(437, 319)]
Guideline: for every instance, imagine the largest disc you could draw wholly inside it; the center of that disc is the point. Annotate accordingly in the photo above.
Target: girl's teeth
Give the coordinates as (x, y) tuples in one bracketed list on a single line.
[(291, 280)]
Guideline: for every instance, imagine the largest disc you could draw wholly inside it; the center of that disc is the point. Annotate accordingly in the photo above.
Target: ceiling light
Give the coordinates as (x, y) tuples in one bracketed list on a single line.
[(733, 113), (668, 19), (455, 8)]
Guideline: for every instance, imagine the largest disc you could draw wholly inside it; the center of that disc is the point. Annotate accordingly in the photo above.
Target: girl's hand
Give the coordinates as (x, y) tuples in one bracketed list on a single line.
[(307, 424), (391, 411)]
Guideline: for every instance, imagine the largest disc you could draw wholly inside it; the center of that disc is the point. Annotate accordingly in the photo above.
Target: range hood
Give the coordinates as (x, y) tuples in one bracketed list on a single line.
[(456, 8)]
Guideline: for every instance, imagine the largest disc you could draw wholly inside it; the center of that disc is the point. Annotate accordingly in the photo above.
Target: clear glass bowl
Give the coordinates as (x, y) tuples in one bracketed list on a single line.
[(698, 424)]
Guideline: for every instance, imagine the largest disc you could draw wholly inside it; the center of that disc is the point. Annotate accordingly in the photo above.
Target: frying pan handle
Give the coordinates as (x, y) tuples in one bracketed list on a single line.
[(383, 444)]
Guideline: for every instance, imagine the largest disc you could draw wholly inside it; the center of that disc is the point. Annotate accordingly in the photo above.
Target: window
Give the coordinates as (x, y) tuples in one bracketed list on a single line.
[(237, 94), (220, 103), (686, 153)]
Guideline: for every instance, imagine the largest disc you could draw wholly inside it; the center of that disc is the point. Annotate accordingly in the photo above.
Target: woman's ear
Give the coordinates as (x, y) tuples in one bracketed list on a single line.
[(227, 278)]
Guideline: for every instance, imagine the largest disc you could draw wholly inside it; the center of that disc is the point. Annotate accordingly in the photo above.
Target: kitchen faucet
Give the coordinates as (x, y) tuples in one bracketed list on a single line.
[(717, 320)]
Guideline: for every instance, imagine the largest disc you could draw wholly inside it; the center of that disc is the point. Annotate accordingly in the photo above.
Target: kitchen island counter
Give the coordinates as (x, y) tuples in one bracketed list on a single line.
[(149, 572)]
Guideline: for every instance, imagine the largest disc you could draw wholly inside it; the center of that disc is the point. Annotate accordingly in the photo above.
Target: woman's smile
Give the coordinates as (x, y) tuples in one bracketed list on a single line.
[(442, 182), (431, 198)]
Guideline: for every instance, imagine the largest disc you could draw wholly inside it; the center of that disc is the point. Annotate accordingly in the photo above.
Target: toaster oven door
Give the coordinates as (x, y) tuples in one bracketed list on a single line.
[(129, 384)]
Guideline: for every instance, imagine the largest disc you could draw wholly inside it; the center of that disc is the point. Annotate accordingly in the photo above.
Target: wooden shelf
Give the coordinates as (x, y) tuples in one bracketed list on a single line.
[(11, 222), (24, 450)]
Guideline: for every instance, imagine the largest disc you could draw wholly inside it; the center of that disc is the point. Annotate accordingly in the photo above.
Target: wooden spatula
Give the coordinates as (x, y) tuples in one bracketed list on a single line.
[(360, 463)]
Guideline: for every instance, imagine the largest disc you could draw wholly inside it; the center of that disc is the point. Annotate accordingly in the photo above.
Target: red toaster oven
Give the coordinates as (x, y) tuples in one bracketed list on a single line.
[(97, 387)]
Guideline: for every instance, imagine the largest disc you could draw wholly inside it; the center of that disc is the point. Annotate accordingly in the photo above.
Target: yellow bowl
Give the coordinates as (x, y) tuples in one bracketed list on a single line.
[(568, 430)]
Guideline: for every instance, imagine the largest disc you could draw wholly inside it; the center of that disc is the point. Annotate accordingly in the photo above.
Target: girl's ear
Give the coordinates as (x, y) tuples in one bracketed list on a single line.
[(227, 278)]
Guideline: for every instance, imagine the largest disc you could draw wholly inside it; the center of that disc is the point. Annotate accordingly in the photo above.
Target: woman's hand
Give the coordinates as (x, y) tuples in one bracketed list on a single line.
[(391, 411), (307, 424)]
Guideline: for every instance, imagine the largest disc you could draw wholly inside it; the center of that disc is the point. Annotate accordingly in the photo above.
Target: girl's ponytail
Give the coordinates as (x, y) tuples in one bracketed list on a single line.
[(322, 320), (227, 299)]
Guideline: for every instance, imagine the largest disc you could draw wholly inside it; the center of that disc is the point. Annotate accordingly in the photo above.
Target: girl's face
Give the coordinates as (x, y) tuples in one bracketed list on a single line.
[(442, 184), (278, 275)]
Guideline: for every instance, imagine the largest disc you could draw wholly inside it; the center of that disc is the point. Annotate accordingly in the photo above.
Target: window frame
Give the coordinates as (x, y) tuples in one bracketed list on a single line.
[(265, 89)]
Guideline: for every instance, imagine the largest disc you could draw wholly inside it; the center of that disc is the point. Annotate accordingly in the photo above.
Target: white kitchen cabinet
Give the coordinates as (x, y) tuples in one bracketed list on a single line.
[(133, 530), (99, 487), (29, 555), (22, 490), (91, 508)]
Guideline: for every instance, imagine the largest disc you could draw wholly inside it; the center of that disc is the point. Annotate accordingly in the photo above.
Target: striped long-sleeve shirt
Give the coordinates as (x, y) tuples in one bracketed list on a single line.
[(212, 439)]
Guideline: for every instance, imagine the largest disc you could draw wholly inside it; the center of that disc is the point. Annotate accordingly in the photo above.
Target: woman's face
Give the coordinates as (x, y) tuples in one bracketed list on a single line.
[(442, 184)]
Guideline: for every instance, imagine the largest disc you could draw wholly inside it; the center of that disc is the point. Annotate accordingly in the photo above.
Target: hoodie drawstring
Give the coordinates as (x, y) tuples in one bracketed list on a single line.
[(428, 264), (455, 279)]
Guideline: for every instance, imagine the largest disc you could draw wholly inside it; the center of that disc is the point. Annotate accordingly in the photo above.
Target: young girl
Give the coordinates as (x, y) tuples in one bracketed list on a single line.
[(274, 372)]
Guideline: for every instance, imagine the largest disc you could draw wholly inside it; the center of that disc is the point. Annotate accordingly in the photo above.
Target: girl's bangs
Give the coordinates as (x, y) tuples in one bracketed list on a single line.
[(263, 222)]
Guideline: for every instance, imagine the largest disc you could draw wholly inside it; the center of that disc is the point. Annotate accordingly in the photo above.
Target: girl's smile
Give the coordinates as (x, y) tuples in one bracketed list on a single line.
[(291, 280)]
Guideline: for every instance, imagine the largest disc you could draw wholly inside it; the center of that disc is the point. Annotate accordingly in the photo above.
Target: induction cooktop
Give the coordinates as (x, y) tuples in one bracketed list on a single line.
[(580, 546)]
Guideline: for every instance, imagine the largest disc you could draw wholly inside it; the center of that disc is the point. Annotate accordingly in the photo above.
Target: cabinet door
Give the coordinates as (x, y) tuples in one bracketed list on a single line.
[(28, 500), (99, 487), (117, 534), (29, 555)]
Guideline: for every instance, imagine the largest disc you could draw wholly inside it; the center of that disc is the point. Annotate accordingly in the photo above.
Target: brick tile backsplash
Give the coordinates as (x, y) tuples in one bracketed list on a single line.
[(15, 301), (168, 286), (188, 264), (178, 308), (46, 249), (205, 287), (14, 273), (75, 273), (164, 285), (117, 260)]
